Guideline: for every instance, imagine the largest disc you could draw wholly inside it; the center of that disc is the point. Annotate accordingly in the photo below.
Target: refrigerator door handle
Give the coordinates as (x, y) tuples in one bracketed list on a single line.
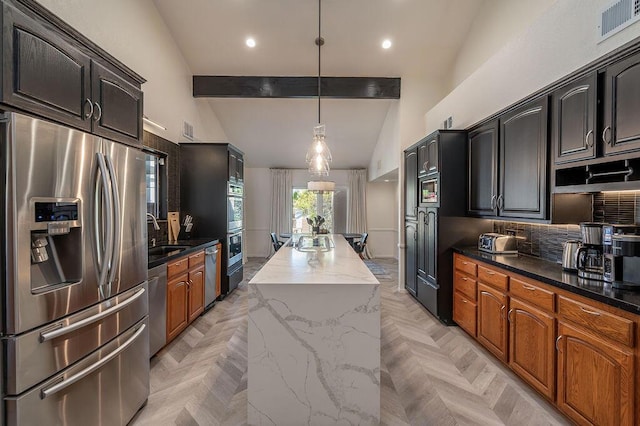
[(86, 321), (106, 258), (115, 257), (44, 393)]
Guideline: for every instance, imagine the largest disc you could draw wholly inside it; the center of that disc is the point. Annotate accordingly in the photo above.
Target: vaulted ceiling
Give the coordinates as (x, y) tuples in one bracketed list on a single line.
[(426, 37)]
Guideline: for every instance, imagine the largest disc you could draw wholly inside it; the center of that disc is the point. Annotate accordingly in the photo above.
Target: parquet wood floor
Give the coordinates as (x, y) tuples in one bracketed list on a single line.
[(430, 374)]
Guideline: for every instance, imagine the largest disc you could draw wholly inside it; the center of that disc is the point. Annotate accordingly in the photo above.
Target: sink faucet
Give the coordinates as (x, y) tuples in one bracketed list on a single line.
[(155, 221)]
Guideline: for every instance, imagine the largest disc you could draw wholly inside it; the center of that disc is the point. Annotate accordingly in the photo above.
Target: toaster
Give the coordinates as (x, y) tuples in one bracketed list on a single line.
[(497, 243)]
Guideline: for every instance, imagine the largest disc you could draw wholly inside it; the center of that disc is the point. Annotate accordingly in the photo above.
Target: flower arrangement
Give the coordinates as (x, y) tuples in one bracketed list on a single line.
[(315, 222)]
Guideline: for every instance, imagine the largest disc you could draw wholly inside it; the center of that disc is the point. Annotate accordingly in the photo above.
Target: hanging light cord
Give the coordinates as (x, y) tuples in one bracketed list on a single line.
[(319, 41)]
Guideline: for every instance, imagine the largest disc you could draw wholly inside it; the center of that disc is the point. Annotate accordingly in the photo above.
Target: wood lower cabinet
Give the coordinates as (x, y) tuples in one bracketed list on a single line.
[(219, 270), (582, 355), (492, 320), (595, 379), (531, 346), (185, 292)]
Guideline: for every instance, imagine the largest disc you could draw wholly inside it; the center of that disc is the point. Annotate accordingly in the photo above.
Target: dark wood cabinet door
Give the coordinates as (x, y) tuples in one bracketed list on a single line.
[(411, 184), (177, 318), (422, 244), (523, 162), (239, 169), (422, 159), (233, 167), (431, 242), (595, 379), (43, 73), (196, 293), (431, 165), (621, 117), (574, 120), (411, 236), (117, 106), (532, 346), (483, 170), (492, 320)]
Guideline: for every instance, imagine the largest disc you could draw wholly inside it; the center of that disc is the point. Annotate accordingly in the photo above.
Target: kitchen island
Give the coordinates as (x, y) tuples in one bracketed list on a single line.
[(314, 339)]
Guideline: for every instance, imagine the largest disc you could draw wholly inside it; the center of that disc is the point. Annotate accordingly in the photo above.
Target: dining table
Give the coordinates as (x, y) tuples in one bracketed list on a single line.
[(349, 236)]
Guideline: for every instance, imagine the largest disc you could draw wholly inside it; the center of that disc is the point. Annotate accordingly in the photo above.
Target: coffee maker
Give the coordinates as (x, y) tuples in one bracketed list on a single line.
[(589, 256), (613, 261), (626, 265)]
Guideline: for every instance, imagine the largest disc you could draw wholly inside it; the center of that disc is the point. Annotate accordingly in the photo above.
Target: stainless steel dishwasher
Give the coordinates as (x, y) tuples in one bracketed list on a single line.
[(210, 271), (157, 308)]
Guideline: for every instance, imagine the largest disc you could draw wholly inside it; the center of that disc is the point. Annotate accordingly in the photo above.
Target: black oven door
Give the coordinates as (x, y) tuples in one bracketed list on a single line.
[(234, 213), (234, 251)]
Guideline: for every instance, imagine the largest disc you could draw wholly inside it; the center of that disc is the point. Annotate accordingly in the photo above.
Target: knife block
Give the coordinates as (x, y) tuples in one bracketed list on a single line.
[(173, 219)]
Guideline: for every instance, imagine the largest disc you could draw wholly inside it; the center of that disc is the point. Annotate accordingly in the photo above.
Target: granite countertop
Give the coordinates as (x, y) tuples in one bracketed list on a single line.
[(192, 245), (340, 265), (553, 274)]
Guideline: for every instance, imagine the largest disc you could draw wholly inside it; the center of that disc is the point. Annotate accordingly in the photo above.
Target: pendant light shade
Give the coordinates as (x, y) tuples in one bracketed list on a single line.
[(319, 155)]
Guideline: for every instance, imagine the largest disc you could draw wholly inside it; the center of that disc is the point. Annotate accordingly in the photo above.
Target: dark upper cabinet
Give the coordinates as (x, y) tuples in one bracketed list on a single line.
[(523, 161), (411, 236), (236, 167), (621, 112), (483, 170), (428, 157), (239, 169), (411, 184), (43, 73), (47, 73), (117, 106), (574, 109)]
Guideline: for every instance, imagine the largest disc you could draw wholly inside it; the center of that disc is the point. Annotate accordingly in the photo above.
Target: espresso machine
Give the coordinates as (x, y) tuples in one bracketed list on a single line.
[(622, 258), (590, 254), (613, 261)]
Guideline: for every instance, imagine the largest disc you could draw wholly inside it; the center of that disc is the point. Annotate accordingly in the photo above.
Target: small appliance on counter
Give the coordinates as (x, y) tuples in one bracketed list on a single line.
[(497, 243), (613, 260), (590, 254), (569, 255)]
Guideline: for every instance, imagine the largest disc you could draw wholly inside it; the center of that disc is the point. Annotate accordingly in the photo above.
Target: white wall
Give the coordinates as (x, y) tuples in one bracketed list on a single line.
[(382, 223), (497, 22), (381, 210), (561, 40), (386, 154), (134, 33)]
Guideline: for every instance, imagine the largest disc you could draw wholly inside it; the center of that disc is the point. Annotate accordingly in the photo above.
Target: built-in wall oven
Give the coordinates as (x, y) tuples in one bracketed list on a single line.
[(429, 191), (234, 208), (234, 252)]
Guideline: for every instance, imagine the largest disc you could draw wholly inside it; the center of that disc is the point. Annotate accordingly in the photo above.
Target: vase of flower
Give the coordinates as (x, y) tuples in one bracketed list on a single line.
[(315, 222)]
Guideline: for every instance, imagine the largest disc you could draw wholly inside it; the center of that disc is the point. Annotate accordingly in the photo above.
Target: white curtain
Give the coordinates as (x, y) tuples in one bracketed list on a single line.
[(281, 201), (357, 210)]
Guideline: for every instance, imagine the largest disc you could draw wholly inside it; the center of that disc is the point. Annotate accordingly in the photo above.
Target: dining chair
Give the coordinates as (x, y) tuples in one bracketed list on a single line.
[(359, 246), (276, 243)]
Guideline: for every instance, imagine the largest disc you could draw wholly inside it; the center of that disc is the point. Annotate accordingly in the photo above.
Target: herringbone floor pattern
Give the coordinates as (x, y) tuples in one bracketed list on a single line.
[(430, 374)]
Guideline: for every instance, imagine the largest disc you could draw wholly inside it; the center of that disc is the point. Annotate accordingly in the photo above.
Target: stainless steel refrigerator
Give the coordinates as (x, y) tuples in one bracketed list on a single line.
[(74, 293)]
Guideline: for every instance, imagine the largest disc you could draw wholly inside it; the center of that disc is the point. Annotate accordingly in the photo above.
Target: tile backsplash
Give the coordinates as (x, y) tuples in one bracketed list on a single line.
[(544, 241)]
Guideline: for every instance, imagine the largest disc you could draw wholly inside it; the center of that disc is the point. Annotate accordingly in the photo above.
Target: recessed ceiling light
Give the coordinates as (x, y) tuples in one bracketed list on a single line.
[(250, 42), (386, 44), (386, 180)]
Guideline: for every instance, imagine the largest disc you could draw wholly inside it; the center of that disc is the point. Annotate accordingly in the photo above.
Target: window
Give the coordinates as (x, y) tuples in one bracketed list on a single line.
[(156, 184), (331, 205)]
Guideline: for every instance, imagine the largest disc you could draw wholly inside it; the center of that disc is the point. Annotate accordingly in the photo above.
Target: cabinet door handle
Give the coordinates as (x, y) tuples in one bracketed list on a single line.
[(509, 315), (558, 341), (500, 202), (502, 308), (415, 235), (465, 263), (464, 301), (528, 287), (465, 279), (90, 113), (494, 203), (597, 314), (606, 132), (99, 110), (426, 165), (586, 139), (490, 273)]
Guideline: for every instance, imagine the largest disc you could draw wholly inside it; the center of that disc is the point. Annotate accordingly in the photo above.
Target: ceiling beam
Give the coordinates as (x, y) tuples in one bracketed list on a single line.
[(295, 87)]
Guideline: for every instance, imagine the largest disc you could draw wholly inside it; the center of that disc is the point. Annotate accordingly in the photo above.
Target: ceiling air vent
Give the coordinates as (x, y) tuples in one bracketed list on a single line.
[(187, 129), (617, 17)]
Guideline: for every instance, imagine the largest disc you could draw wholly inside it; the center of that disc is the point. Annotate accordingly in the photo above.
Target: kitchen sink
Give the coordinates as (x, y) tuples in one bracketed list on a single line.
[(167, 250)]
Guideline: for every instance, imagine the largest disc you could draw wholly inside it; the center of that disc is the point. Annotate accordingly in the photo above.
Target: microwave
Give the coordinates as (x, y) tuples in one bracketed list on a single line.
[(429, 191)]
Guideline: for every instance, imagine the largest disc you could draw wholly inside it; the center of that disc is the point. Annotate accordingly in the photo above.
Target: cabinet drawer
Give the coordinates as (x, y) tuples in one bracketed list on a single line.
[(532, 293), (196, 259), (493, 278), (465, 285), (465, 265), (602, 323), (177, 266), (464, 313)]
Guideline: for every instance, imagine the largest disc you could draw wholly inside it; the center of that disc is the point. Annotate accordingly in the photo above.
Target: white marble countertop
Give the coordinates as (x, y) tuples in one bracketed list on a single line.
[(341, 265)]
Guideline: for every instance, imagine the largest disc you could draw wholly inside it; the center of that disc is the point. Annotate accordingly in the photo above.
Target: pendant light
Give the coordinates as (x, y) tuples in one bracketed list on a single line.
[(319, 155)]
